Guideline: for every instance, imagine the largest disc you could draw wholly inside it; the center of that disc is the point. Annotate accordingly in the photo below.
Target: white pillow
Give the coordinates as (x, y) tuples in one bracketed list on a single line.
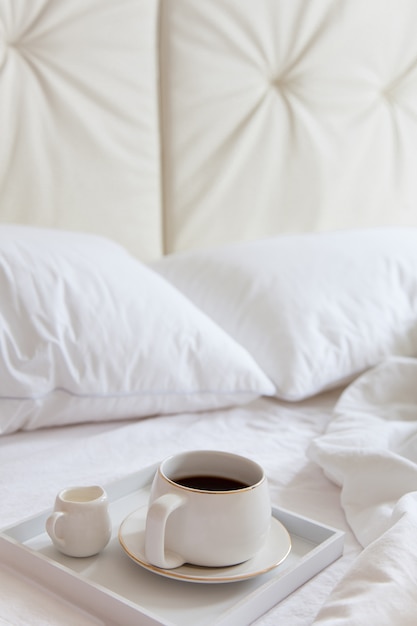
[(89, 333), (314, 310)]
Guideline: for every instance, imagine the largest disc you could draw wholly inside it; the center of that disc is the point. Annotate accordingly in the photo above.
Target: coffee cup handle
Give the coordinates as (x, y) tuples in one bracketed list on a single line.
[(51, 527), (156, 520)]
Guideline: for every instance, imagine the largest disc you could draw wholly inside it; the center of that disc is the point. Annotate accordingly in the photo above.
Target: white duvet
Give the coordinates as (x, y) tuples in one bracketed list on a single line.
[(370, 450)]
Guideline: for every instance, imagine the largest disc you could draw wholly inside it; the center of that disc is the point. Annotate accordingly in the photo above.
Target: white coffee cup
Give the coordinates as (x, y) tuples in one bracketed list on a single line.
[(206, 521), (80, 524)]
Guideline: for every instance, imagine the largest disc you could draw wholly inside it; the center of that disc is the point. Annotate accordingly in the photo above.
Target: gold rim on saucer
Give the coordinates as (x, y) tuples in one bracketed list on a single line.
[(275, 550)]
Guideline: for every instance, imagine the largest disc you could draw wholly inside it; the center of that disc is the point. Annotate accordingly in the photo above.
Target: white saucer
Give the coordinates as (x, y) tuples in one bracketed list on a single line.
[(276, 548)]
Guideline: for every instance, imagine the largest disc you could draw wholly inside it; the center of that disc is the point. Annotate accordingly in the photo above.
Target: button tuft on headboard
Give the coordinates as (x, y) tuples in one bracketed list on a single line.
[(279, 83)]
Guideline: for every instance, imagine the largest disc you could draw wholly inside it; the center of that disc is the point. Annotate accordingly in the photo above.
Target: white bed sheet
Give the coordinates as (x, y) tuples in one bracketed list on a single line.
[(36, 465)]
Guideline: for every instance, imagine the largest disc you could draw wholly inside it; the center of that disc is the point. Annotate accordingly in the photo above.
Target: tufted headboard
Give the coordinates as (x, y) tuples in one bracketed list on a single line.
[(177, 124)]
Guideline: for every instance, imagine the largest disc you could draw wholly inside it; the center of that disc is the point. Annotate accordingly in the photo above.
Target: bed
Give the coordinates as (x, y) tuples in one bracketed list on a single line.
[(208, 240)]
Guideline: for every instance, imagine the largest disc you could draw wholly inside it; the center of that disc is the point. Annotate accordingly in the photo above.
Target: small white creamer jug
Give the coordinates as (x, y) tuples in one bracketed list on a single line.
[(80, 524)]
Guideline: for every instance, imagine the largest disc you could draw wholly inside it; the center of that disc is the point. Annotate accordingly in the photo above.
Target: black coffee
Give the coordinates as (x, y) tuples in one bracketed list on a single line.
[(211, 483)]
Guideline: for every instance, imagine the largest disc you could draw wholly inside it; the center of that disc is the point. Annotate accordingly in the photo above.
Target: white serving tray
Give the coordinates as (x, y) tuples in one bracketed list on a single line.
[(114, 590)]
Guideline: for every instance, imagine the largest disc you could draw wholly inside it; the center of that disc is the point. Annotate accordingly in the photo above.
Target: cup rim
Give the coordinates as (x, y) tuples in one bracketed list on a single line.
[(212, 453)]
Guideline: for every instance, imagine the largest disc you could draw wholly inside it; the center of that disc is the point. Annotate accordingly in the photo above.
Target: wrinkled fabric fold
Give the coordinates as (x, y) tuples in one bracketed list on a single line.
[(370, 450)]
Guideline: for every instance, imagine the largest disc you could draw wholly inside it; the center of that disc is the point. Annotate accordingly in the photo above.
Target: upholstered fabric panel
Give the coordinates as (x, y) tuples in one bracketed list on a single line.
[(287, 115), (79, 144)]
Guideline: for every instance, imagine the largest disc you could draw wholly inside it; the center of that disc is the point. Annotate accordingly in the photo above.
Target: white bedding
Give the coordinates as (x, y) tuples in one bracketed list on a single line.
[(366, 447), (370, 450), (35, 465), (365, 440)]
